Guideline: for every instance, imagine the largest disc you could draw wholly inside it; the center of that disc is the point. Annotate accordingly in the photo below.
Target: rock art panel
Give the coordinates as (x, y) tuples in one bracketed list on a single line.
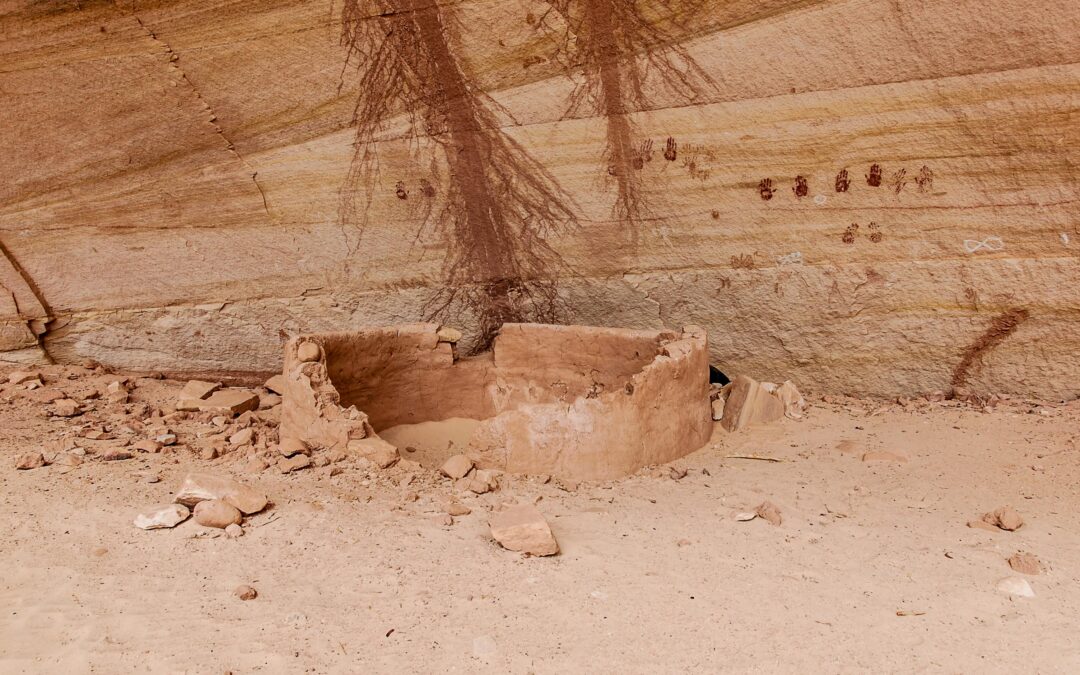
[(847, 194), (499, 204)]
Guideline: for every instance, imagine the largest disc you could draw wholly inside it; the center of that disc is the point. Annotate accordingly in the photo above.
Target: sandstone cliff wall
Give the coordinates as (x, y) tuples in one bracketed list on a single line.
[(863, 196)]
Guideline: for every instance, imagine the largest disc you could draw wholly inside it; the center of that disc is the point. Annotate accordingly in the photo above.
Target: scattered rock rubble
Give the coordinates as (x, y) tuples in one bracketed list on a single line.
[(215, 501), (30, 460), (746, 402), (109, 423)]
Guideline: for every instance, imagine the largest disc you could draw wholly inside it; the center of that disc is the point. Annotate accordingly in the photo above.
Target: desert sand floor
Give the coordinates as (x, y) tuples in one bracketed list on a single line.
[(873, 568)]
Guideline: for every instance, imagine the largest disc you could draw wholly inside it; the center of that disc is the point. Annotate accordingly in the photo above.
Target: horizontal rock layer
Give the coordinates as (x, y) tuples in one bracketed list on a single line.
[(175, 173)]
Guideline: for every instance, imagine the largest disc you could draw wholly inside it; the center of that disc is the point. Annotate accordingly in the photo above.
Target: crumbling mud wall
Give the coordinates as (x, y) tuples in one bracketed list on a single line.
[(573, 401), (847, 194)]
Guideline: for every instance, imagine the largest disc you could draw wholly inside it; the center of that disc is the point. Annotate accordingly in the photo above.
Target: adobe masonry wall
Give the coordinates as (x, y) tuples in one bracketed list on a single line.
[(572, 401)]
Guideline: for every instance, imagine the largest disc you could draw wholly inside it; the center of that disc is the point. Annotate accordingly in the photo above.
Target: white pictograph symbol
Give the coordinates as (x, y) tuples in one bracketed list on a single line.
[(820, 200), (790, 259), (1065, 238), (990, 244)]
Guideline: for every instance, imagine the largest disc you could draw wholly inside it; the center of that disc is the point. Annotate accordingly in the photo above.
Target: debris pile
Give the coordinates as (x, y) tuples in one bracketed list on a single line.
[(216, 502), (746, 402)]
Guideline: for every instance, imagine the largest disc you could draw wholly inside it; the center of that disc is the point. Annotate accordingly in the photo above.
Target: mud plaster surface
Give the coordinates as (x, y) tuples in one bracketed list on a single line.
[(572, 401), (347, 560)]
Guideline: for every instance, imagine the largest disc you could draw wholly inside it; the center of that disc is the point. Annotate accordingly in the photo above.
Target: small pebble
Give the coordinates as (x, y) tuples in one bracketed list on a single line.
[(245, 592)]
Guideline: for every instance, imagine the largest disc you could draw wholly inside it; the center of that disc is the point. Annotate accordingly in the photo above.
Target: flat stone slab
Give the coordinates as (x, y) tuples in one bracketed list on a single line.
[(161, 517), (198, 487), (523, 528)]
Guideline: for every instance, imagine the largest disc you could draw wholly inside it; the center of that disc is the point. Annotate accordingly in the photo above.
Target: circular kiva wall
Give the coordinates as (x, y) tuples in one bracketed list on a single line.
[(570, 401)]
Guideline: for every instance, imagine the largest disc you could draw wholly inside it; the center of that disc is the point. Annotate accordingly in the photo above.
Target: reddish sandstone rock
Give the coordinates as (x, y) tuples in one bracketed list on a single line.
[(198, 390), (375, 450), (523, 528), (67, 459), (30, 460), (46, 395), (457, 509), (65, 407), (230, 402), (769, 512), (217, 513), (748, 403), (198, 487), (245, 592), (276, 384), (477, 486), (294, 463), (242, 437), (308, 351), (255, 465), (21, 376), (1005, 518), (293, 446), (1025, 563), (457, 467), (147, 445)]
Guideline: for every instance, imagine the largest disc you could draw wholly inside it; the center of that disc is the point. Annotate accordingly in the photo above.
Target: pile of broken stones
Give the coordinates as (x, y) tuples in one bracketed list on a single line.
[(215, 501), (518, 527), (231, 424), (104, 422), (100, 417), (247, 423)]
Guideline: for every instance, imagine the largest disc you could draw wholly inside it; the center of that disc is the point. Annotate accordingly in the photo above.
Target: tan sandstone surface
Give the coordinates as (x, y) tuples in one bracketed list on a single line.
[(873, 566), (873, 197)]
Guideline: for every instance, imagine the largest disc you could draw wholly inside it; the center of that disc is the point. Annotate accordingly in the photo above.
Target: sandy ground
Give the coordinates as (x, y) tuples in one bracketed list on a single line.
[(873, 568)]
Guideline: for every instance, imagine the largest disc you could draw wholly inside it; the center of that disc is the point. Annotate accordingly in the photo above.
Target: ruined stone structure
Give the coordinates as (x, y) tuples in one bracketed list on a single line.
[(863, 197), (573, 401)]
